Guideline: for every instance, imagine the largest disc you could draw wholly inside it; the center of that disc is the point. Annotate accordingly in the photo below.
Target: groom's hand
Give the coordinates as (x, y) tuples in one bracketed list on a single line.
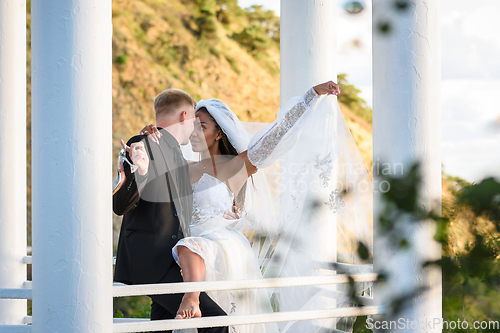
[(138, 156), (327, 88)]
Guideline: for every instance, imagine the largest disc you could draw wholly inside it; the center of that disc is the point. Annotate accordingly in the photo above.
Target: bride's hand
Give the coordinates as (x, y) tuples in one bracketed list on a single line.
[(152, 132), (328, 88), (232, 215)]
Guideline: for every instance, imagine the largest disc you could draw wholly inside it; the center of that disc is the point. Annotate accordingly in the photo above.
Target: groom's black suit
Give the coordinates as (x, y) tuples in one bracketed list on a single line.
[(153, 207)]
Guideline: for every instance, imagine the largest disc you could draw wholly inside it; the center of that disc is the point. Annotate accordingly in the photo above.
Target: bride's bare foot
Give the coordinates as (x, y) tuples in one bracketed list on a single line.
[(189, 308)]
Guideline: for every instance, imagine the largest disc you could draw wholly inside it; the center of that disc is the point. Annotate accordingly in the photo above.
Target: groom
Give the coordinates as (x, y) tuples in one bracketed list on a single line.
[(155, 201)]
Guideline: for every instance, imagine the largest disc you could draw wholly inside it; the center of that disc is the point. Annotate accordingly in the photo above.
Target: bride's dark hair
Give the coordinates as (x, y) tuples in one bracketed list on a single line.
[(226, 148)]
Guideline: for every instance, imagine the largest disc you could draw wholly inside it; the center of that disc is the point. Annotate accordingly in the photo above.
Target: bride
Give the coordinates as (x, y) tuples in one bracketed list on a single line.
[(216, 248)]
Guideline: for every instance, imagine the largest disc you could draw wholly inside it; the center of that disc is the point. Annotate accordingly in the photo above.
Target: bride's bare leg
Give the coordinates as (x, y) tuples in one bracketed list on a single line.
[(193, 270)]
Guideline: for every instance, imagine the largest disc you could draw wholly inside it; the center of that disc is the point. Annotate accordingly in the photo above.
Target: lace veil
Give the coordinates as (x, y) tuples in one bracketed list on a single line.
[(309, 206)]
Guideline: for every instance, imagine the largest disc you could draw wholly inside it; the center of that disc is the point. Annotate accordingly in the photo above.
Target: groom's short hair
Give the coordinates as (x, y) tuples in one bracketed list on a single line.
[(171, 100)]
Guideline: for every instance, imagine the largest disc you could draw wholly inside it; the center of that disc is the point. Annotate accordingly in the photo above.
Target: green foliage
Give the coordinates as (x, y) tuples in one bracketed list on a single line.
[(402, 205), (263, 31), (254, 38), (232, 63), (214, 51), (401, 210), (118, 314), (121, 59), (207, 26), (206, 6), (471, 280), (359, 325), (207, 21), (262, 34), (459, 183), (132, 307), (484, 198), (363, 251), (384, 27), (229, 11), (172, 54), (265, 18), (349, 95), (402, 5)]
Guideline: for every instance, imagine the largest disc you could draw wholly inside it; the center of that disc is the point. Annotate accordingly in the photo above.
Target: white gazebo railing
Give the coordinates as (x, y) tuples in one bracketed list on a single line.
[(145, 325)]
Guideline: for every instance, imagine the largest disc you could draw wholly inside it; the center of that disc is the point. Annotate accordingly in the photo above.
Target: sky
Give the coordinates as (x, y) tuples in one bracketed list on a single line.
[(470, 78)]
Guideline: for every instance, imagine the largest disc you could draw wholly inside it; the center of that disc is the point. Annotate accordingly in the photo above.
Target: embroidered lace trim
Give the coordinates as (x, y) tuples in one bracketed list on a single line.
[(267, 143), (211, 197)]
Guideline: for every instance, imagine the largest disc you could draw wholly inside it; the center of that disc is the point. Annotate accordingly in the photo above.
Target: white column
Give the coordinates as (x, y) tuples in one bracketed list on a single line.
[(12, 156), (308, 56), (308, 45), (71, 133), (406, 128), (308, 49)]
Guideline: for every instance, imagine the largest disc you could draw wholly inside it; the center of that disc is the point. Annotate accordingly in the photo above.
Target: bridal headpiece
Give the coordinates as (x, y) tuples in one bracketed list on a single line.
[(227, 121)]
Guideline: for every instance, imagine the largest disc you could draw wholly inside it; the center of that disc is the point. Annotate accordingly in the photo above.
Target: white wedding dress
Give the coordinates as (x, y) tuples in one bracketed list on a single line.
[(226, 252), (320, 196)]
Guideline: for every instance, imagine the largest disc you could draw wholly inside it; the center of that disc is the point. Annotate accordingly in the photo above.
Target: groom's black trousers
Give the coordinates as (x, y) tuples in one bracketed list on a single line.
[(166, 306)]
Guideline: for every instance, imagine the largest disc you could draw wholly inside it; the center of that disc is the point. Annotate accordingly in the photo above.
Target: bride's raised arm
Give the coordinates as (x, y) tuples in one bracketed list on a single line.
[(261, 150), (264, 147)]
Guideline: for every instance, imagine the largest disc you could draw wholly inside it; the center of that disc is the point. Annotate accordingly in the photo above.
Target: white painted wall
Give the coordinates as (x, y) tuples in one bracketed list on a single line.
[(12, 156), (407, 127), (72, 167)]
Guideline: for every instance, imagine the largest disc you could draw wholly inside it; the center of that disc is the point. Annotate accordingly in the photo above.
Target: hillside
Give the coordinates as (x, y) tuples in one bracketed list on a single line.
[(219, 52), (217, 49), (195, 47), (210, 49), (214, 49)]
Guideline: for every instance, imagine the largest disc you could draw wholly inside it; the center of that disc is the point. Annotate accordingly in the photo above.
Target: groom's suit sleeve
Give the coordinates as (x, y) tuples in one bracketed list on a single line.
[(152, 187), (128, 195)]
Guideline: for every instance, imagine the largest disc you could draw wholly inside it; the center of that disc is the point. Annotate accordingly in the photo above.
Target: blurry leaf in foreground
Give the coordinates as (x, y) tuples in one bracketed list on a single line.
[(404, 190), (354, 7), (360, 325), (363, 251), (483, 198), (384, 27), (402, 5)]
